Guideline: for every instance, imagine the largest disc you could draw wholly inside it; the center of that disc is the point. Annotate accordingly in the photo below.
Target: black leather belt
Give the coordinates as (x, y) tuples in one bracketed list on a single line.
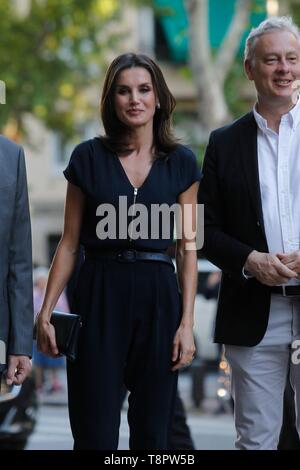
[(129, 256), (286, 291)]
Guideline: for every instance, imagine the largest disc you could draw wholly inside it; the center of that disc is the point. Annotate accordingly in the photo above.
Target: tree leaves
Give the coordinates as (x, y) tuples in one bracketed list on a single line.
[(50, 56)]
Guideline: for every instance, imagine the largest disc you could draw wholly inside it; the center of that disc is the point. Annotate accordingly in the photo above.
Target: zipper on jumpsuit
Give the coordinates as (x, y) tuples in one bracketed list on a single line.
[(135, 191)]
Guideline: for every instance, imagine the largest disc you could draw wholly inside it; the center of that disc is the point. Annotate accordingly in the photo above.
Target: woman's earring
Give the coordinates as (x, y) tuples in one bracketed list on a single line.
[(157, 105)]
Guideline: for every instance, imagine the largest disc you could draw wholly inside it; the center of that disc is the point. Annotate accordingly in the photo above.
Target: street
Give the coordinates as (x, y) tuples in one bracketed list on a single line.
[(209, 431)]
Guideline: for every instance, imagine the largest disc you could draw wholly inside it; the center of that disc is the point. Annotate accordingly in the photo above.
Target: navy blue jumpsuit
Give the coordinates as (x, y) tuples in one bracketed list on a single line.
[(130, 311)]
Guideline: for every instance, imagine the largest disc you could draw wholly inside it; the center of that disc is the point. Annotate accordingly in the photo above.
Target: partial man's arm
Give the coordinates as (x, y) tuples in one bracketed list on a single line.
[(19, 283)]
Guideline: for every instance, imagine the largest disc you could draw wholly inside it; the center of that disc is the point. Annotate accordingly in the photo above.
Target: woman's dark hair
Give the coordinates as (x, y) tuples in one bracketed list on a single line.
[(116, 131)]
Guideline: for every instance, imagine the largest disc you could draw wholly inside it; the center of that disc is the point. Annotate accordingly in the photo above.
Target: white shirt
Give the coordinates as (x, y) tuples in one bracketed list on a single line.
[(279, 179)]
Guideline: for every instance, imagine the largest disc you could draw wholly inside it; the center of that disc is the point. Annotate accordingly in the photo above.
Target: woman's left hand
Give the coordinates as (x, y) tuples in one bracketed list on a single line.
[(183, 347)]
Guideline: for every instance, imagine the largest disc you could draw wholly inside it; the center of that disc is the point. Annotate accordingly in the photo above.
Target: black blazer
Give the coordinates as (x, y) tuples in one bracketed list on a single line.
[(234, 227)]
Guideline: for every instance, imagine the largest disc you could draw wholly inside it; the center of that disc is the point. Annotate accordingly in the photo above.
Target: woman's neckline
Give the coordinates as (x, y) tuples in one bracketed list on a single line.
[(127, 177)]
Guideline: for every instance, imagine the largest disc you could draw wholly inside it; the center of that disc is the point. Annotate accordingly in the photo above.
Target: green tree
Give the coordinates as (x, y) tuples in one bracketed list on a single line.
[(209, 73), (51, 54)]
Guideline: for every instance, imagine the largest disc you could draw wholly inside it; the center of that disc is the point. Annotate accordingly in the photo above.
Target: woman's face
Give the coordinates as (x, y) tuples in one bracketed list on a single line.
[(135, 97)]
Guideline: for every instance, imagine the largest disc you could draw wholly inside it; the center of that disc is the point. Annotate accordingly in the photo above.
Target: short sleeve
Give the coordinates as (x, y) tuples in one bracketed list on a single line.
[(76, 169), (189, 169)]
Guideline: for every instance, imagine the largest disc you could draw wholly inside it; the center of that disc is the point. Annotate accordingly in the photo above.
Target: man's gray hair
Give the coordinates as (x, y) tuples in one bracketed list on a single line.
[(275, 23)]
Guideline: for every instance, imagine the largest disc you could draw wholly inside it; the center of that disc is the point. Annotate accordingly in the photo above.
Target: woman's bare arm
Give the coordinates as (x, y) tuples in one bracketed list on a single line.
[(186, 261), (62, 267)]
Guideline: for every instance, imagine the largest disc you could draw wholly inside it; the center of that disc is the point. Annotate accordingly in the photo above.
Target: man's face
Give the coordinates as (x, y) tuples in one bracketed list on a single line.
[(275, 66)]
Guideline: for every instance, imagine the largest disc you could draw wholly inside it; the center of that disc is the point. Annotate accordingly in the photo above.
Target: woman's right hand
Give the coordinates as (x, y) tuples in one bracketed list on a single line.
[(46, 336)]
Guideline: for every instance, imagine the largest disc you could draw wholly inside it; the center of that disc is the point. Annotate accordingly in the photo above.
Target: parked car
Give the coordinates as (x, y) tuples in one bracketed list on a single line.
[(204, 315), (18, 412), (207, 356)]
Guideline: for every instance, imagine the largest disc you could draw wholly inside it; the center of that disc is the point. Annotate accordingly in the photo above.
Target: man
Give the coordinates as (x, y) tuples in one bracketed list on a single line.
[(16, 307), (251, 192)]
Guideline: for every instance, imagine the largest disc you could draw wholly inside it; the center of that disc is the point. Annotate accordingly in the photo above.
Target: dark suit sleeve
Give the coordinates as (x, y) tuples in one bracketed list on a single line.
[(226, 252), (20, 270)]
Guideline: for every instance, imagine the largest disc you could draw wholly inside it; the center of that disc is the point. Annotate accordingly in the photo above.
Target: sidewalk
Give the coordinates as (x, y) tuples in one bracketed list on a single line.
[(59, 398), (208, 406), (210, 431)]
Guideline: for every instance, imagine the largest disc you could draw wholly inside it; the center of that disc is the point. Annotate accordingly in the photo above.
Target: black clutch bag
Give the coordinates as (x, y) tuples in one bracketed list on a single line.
[(67, 328)]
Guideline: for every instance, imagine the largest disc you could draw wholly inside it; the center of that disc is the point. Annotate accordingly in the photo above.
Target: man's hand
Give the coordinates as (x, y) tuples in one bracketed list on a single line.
[(18, 369), (291, 261), (268, 269)]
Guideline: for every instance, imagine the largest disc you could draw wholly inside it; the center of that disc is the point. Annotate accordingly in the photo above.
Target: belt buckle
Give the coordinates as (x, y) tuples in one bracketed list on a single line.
[(127, 256)]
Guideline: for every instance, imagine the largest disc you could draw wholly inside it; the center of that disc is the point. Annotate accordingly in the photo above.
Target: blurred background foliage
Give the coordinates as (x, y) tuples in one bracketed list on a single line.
[(51, 52)]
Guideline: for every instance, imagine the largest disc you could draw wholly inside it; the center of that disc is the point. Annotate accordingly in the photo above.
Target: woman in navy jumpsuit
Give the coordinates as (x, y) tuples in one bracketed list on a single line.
[(136, 327)]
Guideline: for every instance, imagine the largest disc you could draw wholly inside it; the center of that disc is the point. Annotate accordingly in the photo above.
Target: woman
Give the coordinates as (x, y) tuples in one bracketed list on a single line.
[(136, 328)]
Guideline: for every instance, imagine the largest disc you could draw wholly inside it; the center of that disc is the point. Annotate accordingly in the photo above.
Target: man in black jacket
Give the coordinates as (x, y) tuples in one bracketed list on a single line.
[(251, 193)]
